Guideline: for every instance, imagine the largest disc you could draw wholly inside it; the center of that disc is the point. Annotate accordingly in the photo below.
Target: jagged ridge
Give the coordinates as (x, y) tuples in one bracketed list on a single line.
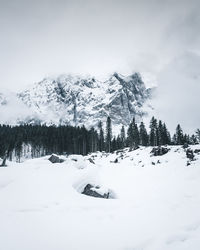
[(74, 100)]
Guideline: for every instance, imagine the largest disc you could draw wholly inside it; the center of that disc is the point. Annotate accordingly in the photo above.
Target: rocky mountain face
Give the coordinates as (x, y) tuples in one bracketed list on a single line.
[(80, 101)]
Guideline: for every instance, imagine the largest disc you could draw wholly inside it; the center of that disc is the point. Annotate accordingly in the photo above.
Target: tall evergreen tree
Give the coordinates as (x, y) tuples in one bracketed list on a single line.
[(93, 140), (133, 137), (108, 134), (153, 136), (179, 138), (101, 137), (136, 135), (114, 144), (119, 143), (198, 135), (144, 138), (186, 139), (130, 136), (166, 135), (123, 137), (160, 134), (193, 140)]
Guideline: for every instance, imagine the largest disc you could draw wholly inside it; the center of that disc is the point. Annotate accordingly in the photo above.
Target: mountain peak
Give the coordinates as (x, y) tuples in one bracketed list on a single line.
[(75, 100)]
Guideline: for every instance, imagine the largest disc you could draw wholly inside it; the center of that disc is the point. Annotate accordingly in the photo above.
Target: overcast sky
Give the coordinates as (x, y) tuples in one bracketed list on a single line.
[(158, 37)]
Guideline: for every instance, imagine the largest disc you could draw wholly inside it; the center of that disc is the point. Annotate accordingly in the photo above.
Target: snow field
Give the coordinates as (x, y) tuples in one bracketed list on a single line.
[(156, 206)]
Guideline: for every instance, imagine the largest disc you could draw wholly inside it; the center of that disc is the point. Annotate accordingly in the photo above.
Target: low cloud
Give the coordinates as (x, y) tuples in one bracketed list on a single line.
[(13, 110), (177, 97)]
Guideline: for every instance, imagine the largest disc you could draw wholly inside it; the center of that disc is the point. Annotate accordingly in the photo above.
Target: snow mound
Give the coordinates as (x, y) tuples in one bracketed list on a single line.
[(91, 186)]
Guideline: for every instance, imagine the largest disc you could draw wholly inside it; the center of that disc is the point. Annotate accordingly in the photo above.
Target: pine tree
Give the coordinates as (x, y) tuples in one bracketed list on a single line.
[(160, 134), (144, 138), (166, 135), (93, 140), (101, 137), (84, 140), (193, 140), (198, 135), (153, 136), (179, 135), (123, 137), (186, 139), (136, 135), (130, 136), (119, 143), (114, 145), (108, 134), (18, 147), (133, 137)]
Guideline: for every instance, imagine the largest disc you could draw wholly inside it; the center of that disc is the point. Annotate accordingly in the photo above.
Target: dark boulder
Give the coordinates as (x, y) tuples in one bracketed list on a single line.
[(115, 161), (158, 151), (133, 148), (188, 163), (190, 154), (197, 151), (119, 151), (91, 161), (185, 145), (91, 190), (55, 159)]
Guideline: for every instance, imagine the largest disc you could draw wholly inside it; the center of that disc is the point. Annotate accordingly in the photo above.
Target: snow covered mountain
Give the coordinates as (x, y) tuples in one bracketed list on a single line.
[(74, 100)]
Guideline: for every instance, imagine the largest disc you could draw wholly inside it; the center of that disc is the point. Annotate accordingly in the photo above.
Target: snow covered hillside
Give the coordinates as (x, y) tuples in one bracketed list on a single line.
[(155, 206)]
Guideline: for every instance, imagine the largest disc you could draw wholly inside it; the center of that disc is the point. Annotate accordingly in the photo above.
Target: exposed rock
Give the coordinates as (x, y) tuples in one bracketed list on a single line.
[(91, 161), (133, 148), (55, 159), (91, 190), (119, 151), (122, 156), (188, 163), (197, 151), (190, 154), (158, 151), (185, 145), (115, 161)]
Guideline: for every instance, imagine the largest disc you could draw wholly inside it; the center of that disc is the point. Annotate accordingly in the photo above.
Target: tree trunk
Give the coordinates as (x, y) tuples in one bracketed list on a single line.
[(3, 164)]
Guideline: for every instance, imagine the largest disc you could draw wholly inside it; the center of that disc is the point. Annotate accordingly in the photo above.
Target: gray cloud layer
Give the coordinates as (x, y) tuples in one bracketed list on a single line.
[(43, 37)]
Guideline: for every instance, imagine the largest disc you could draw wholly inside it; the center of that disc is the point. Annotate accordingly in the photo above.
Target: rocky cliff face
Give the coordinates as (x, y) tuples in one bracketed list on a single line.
[(81, 101)]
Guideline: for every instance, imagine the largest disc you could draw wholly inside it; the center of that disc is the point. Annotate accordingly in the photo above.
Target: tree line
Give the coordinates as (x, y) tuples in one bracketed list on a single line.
[(40, 140), (158, 135)]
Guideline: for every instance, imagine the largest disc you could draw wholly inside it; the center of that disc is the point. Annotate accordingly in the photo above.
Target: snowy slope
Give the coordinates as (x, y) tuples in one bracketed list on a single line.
[(156, 206)]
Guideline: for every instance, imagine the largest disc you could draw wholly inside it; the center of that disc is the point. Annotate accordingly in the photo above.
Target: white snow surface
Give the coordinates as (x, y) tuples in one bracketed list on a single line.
[(156, 207)]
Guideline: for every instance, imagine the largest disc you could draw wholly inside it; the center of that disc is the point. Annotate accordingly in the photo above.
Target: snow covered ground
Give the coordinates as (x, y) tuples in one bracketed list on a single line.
[(157, 203)]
